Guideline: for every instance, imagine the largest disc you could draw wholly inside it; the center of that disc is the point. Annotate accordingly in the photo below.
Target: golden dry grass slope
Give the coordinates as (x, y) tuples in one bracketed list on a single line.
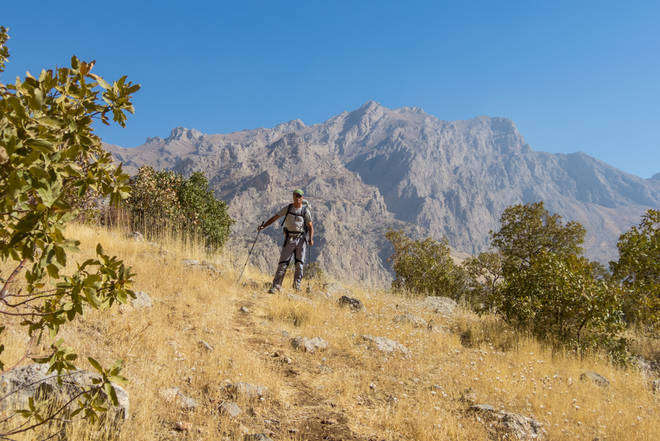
[(196, 338)]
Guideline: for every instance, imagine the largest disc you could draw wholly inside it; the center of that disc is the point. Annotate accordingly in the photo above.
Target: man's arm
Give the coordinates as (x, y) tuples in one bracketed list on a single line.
[(311, 233), (268, 222)]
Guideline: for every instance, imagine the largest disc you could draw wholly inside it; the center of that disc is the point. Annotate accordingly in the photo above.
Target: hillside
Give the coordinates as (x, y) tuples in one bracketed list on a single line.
[(203, 334), (375, 169)]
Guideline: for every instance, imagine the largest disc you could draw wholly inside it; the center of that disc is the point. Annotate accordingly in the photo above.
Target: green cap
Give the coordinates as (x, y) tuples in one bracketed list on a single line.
[(298, 191)]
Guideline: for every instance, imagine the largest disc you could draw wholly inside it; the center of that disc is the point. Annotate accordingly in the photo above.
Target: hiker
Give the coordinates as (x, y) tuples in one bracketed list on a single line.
[(297, 223)]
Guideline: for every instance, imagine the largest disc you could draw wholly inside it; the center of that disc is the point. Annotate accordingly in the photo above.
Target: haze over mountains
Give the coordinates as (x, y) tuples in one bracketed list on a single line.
[(375, 169)]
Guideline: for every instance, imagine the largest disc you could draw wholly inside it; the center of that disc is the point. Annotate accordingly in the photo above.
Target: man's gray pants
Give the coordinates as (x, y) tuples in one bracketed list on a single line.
[(295, 246)]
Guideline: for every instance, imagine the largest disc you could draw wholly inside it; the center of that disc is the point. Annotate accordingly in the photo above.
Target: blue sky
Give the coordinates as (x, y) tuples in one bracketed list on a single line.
[(573, 76)]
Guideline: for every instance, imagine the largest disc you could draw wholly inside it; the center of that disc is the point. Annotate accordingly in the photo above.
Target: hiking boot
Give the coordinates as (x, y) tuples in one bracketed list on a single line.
[(274, 290), (296, 288)]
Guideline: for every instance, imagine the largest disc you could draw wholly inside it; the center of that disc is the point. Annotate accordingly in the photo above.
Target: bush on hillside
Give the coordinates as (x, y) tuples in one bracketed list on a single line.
[(163, 201), (484, 278), (638, 270), (48, 152), (529, 229), (558, 298), (425, 267)]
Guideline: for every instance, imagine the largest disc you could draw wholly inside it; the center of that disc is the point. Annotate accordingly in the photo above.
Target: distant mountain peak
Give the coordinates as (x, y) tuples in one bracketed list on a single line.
[(655, 177), (179, 133)]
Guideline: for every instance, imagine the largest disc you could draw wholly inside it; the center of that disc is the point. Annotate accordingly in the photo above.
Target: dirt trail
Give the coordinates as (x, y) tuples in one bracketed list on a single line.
[(303, 413)]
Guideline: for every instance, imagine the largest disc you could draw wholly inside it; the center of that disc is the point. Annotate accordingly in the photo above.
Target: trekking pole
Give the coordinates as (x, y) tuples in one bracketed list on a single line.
[(248, 256)]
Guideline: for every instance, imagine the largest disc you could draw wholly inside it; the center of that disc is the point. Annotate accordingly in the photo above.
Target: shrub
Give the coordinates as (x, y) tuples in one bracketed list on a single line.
[(638, 269), (425, 267), (559, 300), (164, 200), (48, 152)]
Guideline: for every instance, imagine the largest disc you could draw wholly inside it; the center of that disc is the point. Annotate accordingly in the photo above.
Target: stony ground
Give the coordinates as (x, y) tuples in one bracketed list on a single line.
[(212, 360)]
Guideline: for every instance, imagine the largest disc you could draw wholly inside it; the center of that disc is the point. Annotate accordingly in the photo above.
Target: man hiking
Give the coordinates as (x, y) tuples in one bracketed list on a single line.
[(297, 223)]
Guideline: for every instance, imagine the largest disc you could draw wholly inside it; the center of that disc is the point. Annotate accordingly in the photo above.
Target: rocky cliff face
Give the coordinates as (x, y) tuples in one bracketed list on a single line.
[(375, 168)]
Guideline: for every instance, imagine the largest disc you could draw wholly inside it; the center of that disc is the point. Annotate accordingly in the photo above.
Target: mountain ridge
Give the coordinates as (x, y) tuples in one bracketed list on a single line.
[(376, 168)]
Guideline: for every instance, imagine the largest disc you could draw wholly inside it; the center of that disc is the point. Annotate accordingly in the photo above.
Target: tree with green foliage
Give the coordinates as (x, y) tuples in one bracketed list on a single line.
[(48, 152), (549, 289), (484, 275), (528, 229), (638, 269), (558, 299), (164, 201), (204, 215), (425, 266)]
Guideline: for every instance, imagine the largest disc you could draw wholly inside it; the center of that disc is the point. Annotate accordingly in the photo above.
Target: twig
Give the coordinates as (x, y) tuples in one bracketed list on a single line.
[(3, 292)]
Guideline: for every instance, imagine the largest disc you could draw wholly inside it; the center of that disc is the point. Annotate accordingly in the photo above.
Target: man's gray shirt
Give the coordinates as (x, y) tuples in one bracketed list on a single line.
[(295, 223)]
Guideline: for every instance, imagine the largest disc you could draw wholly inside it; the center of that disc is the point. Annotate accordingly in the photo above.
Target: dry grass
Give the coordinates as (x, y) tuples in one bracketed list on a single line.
[(346, 392)]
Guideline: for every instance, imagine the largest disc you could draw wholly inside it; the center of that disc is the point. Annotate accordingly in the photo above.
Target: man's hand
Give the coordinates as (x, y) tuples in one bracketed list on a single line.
[(311, 242), (260, 227)]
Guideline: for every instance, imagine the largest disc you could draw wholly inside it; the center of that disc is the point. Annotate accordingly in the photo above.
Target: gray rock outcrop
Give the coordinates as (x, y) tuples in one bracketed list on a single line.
[(504, 425), (384, 344), (595, 378), (310, 345), (18, 385)]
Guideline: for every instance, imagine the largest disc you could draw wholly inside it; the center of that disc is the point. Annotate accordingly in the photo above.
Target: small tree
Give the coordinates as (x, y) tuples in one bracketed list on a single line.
[(425, 266), (48, 152), (203, 213), (638, 269), (484, 278), (558, 298), (164, 200), (529, 229)]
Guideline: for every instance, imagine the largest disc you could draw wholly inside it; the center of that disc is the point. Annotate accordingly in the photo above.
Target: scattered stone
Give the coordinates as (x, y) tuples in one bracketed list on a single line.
[(193, 263), (182, 426), (141, 300), (244, 310), (595, 378), (385, 344), (257, 437), (205, 345), (247, 390), (416, 322), (655, 386), (297, 298), (18, 385), (353, 303), (441, 305), (229, 408), (310, 345), (507, 423), (136, 236), (372, 386), (173, 394)]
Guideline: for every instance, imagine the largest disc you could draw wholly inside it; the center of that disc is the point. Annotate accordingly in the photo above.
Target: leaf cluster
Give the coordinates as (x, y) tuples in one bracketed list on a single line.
[(425, 266), (48, 155), (164, 200), (638, 270)]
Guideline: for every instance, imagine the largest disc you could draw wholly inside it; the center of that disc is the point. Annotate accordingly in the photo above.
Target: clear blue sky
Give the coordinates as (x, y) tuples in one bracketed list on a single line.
[(573, 76)]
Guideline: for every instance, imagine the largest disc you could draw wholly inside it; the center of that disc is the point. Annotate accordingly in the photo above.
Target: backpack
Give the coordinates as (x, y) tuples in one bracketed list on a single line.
[(306, 207)]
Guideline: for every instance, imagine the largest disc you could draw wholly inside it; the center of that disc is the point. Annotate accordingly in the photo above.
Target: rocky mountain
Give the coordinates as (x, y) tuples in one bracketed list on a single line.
[(375, 169)]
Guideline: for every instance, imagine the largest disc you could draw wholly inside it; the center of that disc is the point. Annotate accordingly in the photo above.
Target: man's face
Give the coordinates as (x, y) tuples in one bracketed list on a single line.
[(297, 198)]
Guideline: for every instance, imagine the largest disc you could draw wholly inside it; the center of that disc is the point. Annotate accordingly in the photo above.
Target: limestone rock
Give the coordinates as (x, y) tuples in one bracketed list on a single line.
[(257, 437), (595, 378), (507, 424), (416, 322), (174, 395), (247, 390), (309, 344), (141, 300), (384, 344), (351, 302), (20, 384), (441, 305), (230, 408)]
